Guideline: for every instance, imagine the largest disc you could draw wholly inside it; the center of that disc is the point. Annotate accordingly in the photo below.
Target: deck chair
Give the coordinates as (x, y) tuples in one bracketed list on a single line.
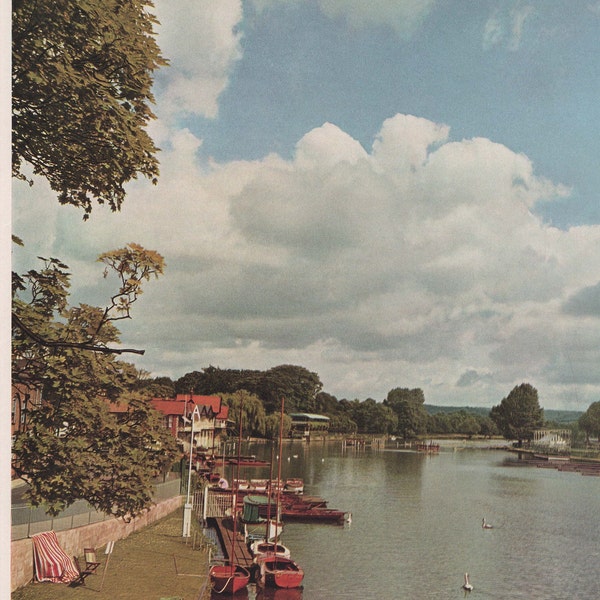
[(91, 560), (82, 573)]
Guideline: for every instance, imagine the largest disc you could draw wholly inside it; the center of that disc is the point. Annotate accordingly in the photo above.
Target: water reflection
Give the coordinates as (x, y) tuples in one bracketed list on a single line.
[(254, 592), (277, 594), (416, 525)]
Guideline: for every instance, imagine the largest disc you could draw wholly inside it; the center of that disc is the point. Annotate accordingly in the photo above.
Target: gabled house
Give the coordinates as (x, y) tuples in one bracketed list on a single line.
[(207, 413), (205, 416)]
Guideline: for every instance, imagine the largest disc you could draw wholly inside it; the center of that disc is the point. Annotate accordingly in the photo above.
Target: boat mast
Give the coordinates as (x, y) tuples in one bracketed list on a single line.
[(268, 531), (279, 475), (235, 490)]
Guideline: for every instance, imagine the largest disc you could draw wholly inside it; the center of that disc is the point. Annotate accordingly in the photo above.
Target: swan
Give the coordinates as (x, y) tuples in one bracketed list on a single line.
[(486, 525), (467, 585)]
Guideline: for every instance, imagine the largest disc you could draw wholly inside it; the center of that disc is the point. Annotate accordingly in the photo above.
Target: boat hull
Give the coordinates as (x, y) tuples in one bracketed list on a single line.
[(279, 572), (228, 579)]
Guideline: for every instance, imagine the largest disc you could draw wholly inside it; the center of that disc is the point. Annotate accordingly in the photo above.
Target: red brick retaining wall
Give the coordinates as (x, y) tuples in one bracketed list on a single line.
[(73, 541)]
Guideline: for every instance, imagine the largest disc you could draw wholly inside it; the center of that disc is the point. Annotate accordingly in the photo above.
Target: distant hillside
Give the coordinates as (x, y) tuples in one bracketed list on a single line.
[(562, 417), (475, 410)]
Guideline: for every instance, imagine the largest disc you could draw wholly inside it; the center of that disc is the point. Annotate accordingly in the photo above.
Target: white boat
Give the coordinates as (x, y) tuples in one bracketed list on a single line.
[(260, 549), (294, 486), (258, 485)]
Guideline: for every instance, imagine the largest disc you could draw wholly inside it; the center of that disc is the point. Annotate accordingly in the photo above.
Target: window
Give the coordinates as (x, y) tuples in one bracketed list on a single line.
[(13, 415)]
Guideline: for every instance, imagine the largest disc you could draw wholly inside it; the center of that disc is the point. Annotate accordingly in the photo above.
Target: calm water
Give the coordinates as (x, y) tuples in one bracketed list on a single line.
[(416, 526)]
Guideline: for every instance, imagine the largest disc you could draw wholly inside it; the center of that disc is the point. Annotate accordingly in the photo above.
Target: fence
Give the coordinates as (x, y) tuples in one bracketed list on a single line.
[(27, 521)]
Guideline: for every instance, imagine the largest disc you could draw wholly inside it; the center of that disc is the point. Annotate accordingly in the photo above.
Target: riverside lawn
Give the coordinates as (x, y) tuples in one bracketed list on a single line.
[(143, 566)]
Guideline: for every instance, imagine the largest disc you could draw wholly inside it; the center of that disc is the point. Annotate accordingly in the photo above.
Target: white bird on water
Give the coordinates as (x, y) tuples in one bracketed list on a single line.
[(467, 585), (486, 525)]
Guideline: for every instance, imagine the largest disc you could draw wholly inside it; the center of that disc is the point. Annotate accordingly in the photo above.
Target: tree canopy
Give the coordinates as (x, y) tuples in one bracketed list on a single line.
[(73, 447), (298, 385), (589, 422), (252, 410), (410, 410), (519, 413), (81, 85)]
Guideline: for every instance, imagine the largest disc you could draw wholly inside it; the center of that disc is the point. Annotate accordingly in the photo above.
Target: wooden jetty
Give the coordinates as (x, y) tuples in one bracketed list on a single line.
[(224, 529)]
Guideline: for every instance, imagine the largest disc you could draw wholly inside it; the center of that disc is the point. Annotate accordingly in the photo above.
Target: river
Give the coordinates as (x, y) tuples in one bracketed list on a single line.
[(416, 525)]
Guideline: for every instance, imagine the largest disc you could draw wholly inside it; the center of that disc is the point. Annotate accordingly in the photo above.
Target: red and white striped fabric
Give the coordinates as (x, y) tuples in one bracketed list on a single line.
[(51, 561)]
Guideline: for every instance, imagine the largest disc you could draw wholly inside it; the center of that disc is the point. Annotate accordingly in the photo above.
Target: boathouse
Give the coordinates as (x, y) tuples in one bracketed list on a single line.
[(551, 441), (303, 424)]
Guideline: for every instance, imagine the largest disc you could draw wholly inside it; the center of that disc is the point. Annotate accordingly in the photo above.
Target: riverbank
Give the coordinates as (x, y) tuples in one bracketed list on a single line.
[(155, 562)]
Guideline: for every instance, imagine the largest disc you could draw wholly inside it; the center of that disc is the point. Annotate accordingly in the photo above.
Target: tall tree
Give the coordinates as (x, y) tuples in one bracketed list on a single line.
[(73, 446), (409, 407), (519, 413), (589, 422), (297, 384), (82, 74)]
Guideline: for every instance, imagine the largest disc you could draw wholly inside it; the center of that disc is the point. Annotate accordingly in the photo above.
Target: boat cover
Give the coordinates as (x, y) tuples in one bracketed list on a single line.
[(51, 562)]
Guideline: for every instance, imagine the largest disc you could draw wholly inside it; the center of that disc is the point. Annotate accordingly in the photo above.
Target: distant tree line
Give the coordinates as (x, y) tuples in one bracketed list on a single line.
[(402, 413)]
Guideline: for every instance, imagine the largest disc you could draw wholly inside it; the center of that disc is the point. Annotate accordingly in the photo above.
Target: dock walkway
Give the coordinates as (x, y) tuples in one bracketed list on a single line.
[(224, 528)]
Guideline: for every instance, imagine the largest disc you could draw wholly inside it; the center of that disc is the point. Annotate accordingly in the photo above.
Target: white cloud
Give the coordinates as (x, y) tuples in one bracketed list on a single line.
[(416, 262), (201, 40), (506, 25)]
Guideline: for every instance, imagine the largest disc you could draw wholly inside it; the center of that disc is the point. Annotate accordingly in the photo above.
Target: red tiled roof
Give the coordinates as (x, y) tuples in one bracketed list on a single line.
[(169, 407), (214, 402), (180, 405)]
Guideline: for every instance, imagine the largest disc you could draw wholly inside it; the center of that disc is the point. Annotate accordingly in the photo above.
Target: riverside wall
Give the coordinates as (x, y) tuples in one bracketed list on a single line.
[(96, 535)]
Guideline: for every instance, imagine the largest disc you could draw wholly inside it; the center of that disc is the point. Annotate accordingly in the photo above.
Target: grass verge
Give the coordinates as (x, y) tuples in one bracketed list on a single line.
[(153, 563)]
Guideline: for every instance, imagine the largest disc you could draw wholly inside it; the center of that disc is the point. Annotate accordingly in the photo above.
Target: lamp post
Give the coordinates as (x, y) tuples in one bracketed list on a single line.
[(187, 509)]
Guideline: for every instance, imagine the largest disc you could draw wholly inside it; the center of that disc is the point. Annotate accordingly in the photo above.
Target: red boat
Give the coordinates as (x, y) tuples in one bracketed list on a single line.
[(279, 572), (322, 515), (228, 579)]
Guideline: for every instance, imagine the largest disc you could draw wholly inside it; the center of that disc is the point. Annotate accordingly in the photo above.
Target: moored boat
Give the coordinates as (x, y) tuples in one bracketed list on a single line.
[(294, 486), (228, 579), (258, 485), (322, 515), (262, 549), (279, 572)]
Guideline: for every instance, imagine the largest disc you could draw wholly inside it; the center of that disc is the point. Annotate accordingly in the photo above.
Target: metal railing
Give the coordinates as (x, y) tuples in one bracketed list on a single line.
[(27, 521)]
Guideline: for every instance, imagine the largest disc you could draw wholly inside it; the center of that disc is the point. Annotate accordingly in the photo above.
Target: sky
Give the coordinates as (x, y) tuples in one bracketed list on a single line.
[(394, 193)]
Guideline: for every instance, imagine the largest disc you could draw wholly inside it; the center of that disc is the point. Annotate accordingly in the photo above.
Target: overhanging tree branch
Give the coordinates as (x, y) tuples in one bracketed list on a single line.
[(79, 345)]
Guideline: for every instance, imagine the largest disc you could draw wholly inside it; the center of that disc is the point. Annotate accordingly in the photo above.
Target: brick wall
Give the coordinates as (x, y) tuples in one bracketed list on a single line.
[(73, 541)]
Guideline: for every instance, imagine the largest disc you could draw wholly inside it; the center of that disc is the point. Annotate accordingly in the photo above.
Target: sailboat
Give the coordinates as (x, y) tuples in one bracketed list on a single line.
[(274, 570), (231, 577), (269, 544)]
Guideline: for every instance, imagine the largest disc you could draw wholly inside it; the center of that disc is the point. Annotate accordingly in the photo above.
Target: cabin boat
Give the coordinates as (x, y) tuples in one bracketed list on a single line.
[(255, 525)]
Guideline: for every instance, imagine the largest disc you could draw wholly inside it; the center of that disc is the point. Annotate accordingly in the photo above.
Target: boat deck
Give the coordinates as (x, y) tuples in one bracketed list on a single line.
[(224, 530)]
